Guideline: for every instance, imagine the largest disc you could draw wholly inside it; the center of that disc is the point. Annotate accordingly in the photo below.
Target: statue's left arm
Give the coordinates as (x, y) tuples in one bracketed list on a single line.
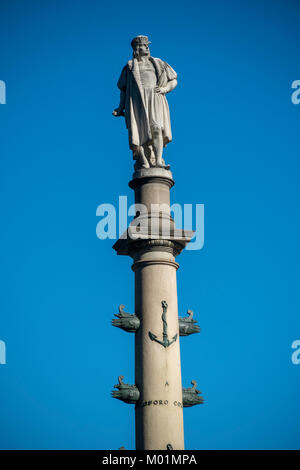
[(171, 77)]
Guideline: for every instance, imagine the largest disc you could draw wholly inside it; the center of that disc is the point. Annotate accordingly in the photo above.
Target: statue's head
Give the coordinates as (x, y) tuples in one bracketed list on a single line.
[(140, 46)]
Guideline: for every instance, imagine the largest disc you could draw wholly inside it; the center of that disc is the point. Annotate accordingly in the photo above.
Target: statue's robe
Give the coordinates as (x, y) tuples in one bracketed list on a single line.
[(140, 108)]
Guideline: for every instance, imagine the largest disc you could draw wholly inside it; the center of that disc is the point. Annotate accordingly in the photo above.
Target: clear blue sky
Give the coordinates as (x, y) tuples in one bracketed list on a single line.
[(235, 149)]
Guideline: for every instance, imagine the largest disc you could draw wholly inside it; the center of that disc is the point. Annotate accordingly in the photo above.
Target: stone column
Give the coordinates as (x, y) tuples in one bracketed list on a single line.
[(159, 417), (159, 413), (153, 247)]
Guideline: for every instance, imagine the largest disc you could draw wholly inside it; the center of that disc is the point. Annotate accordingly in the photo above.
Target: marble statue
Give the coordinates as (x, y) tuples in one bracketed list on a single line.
[(143, 84)]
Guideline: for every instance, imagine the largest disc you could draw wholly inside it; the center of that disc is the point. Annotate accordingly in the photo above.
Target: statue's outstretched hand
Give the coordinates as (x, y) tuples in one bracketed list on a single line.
[(118, 112)]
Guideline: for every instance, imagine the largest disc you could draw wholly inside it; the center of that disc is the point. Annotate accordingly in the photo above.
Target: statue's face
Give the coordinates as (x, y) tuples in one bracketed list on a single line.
[(142, 50)]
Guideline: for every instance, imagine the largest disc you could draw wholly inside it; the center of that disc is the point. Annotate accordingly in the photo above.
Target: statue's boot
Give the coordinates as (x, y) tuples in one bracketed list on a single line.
[(141, 160), (161, 164)]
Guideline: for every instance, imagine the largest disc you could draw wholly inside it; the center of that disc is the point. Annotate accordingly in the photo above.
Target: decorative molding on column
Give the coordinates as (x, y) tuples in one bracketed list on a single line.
[(127, 321), (143, 263), (131, 244), (167, 246), (165, 342), (187, 324), (127, 393), (130, 322), (151, 175), (190, 396)]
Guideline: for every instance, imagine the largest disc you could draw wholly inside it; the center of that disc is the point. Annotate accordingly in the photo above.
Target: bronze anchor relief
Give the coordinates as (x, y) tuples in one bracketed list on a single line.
[(165, 342)]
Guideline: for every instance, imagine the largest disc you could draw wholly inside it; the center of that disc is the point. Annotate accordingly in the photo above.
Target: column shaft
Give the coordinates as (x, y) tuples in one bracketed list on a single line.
[(159, 414)]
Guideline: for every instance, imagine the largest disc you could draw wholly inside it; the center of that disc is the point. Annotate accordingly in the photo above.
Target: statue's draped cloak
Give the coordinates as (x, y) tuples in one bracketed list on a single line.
[(143, 109)]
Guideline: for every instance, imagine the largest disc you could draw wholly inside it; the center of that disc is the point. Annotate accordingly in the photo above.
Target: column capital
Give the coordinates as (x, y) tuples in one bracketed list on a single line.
[(131, 244)]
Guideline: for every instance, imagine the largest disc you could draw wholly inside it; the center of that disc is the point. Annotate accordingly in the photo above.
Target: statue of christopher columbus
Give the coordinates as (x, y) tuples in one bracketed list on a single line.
[(143, 83)]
